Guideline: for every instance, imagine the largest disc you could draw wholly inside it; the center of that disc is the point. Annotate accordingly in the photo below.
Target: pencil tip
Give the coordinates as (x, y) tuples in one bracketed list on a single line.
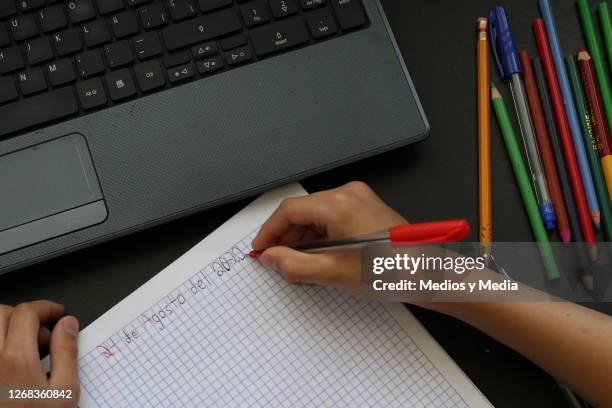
[(253, 254), (494, 92), (587, 281), (583, 54), (596, 217), (593, 252), (566, 235)]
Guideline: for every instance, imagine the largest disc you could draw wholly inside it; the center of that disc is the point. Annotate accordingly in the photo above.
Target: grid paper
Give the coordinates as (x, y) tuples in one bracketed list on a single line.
[(249, 339)]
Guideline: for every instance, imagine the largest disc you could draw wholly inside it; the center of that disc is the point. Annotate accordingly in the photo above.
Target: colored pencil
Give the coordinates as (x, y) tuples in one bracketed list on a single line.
[(545, 149), (565, 136), (570, 111), (606, 28), (593, 45), (484, 140), (590, 144), (524, 183), (583, 258), (600, 126)]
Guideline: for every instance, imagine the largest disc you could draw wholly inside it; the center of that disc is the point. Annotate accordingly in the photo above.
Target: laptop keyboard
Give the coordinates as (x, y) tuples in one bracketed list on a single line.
[(60, 59)]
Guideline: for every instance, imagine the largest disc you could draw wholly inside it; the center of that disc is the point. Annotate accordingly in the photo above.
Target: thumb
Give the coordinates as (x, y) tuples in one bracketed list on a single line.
[(296, 266), (63, 351)]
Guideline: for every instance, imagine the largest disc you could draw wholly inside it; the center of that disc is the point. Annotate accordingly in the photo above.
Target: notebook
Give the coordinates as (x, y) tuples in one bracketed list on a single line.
[(215, 328)]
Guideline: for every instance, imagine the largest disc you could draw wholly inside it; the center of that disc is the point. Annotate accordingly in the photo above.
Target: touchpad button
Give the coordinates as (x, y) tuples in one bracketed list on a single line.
[(48, 190)]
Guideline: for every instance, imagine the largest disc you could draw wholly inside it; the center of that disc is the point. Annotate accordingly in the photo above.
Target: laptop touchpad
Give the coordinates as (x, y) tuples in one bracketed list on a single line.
[(46, 191)]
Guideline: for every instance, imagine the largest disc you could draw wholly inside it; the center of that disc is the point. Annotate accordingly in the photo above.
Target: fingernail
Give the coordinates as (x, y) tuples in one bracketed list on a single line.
[(266, 260), (71, 326)]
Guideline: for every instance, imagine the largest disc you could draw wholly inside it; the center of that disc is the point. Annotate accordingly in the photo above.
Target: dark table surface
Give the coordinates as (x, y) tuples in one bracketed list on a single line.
[(435, 179)]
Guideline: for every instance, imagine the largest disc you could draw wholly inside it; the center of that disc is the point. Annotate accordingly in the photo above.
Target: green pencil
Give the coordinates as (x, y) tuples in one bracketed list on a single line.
[(524, 183), (590, 144), (592, 44), (606, 29)]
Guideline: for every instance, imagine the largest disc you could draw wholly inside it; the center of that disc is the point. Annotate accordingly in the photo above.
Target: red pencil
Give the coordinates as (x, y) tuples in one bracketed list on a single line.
[(564, 134)]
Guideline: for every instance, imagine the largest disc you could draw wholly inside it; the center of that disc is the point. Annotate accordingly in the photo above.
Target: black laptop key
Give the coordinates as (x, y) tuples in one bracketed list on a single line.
[(60, 72), (208, 5), (310, 4), (204, 50), (209, 65), (80, 10), (32, 81), (67, 42), (149, 76), (91, 93), (118, 54), (137, 2), (283, 8), (153, 16), (8, 91), (4, 36), (120, 84), (109, 6), (89, 63), (278, 36), (52, 18), (172, 60), (27, 5), (23, 27), (147, 45), (255, 12), (38, 50), (10, 59), (350, 13), (234, 41), (96, 33), (37, 110), (181, 9), (7, 8), (238, 56), (124, 24), (181, 73), (201, 29), (321, 23)]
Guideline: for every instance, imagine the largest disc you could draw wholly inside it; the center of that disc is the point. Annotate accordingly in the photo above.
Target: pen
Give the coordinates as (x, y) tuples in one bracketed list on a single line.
[(426, 232), (484, 139), (511, 70)]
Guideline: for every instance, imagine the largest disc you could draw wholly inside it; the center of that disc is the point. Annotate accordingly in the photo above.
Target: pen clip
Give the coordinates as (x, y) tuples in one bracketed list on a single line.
[(502, 44)]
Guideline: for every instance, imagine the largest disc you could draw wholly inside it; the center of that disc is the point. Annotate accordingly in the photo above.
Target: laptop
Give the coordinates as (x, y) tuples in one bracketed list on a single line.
[(117, 115)]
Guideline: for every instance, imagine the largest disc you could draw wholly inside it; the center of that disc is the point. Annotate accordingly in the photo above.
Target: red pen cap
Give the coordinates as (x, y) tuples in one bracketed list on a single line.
[(440, 231)]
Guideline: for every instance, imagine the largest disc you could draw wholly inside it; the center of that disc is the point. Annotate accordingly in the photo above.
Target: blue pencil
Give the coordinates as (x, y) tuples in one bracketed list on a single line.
[(572, 116)]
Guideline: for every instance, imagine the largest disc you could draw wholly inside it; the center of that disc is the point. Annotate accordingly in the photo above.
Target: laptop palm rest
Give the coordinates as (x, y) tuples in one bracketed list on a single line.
[(46, 191)]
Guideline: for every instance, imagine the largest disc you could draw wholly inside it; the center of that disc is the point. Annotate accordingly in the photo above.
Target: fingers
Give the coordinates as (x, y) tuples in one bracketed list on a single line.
[(24, 325), (64, 367), (5, 315), (303, 211)]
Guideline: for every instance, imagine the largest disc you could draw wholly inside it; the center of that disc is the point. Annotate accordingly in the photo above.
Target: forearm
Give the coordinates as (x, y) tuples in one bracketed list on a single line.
[(571, 342)]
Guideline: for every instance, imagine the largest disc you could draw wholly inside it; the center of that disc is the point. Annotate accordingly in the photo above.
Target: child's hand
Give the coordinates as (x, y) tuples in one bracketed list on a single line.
[(351, 209), (22, 332)]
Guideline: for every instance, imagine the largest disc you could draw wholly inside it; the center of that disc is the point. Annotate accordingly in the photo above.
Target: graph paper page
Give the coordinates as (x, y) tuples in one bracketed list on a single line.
[(215, 328)]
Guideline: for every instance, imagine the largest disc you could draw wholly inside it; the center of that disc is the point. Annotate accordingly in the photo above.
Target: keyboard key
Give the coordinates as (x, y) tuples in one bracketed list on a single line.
[(208, 5), (210, 65), (175, 59), (181, 9), (278, 36), (309, 4), (201, 29), (147, 45), (153, 16), (238, 56), (27, 5), (60, 72), (89, 63), (137, 2), (8, 91), (23, 27), (38, 50), (204, 50), (52, 18), (118, 54), (37, 110), (283, 8), (80, 10), (149, 76), (120, 84), (4, 36), (91, 93), (96, 33), (10, 59), (7, 8), (67, 42), (32, 81), (234, 41), (321, 23), (350, 13), (255, 13), (124, 24), (181, 73), (109, 6)]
